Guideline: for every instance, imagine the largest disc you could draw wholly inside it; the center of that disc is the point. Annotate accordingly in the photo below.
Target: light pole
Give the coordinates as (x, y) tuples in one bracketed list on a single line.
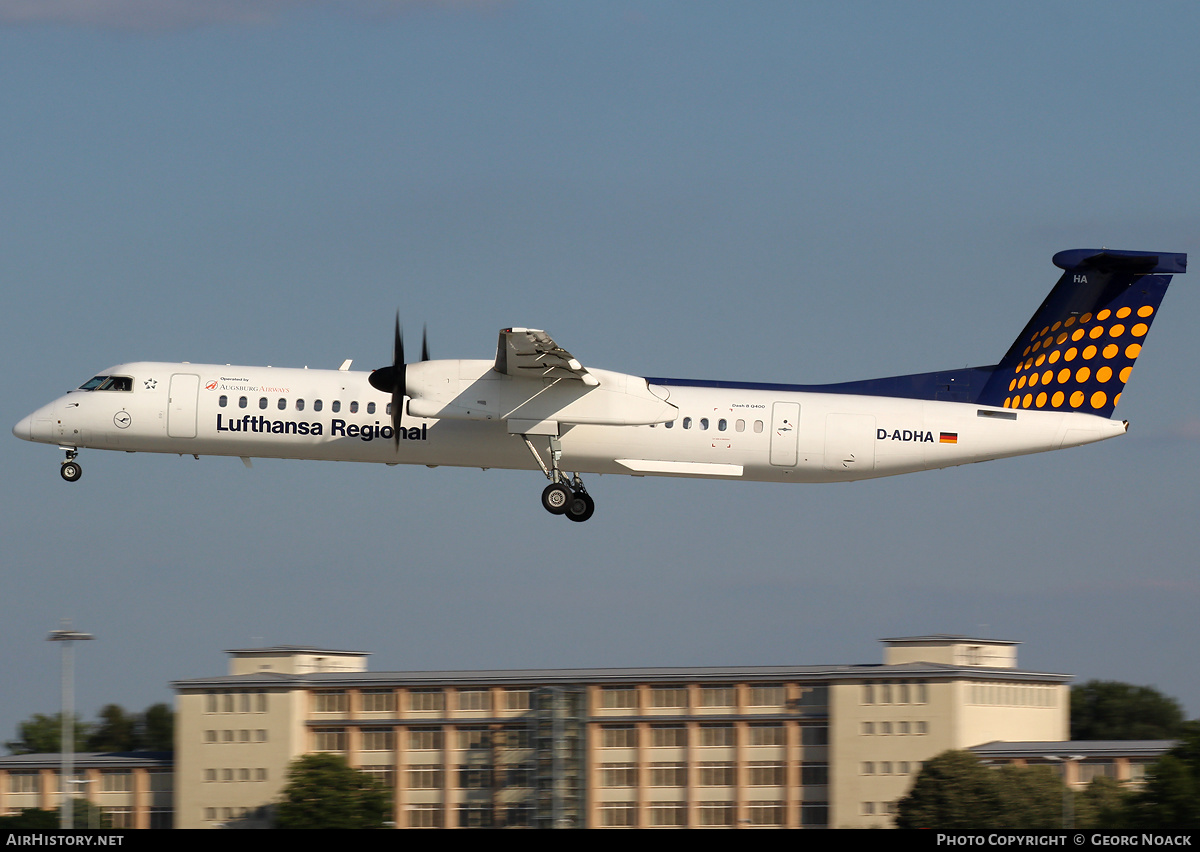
[(68, 637)]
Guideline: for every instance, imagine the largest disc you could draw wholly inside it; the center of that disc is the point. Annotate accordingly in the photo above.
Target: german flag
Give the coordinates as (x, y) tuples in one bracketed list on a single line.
[(948, 438)]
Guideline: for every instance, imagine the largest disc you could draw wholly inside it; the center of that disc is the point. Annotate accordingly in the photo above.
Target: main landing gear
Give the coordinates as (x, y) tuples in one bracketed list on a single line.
[(562, 497), (71, 470)]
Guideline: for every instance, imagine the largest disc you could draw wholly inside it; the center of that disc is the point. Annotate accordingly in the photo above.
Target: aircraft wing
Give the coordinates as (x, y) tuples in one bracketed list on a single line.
[(531, 353)]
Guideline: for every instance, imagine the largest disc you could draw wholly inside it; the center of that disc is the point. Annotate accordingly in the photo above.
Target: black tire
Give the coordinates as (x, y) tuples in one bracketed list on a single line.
[(71, 471), (556, 498), (580, 507)]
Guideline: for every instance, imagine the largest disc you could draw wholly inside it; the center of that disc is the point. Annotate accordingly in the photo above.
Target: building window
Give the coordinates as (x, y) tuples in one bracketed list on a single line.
[(668, 813), (618, 775), (517, 699), (331, 701), (668, 774), (426, 699), (378, 701), (717, 774), (766, 735), (765, 813), (425, 739), (329, 739), (668, 696), (668, 736), (814, 774), (425, 777), (425, 816), (618, 814), (764, 774), (474, 699), (814, 735), (715, 813), (474, 777), (717, 696), (612, 736), (23, 782), (378, 739), (766, 695), (469, 738), (618, 698), (716, 735)]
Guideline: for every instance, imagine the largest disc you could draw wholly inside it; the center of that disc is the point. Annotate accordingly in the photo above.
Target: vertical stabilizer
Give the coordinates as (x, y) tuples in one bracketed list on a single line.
[(1077, 351)]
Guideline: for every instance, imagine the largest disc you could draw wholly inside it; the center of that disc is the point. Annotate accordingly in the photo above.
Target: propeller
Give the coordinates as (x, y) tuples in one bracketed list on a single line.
[(391, 379)]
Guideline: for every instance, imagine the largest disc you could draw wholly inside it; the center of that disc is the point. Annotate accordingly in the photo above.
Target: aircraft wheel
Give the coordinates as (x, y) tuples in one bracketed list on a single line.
[(580, 507), (556, 498), (71, 471)]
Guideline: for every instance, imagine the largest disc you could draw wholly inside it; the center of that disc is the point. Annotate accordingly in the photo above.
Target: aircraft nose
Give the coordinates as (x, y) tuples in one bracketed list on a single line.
[(24, 429)]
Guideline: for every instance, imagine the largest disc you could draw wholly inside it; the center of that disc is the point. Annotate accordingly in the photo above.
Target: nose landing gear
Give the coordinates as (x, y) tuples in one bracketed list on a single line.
[(71, 470)]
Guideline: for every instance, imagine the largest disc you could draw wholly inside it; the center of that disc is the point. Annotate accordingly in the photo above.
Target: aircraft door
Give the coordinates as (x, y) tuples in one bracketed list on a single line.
[(181, 406), (785, 433)]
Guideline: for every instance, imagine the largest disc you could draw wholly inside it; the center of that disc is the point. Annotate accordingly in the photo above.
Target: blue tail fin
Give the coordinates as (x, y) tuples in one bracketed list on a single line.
[(1078, 350)]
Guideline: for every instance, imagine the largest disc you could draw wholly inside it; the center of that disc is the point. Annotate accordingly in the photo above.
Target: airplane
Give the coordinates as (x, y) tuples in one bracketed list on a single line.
[(536, 407)]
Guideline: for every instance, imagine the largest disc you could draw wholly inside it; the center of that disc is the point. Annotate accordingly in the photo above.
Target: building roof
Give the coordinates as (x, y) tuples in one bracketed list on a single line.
[(296, 649), (1086, 748), (946, 638), (89, 760), (538, 677)]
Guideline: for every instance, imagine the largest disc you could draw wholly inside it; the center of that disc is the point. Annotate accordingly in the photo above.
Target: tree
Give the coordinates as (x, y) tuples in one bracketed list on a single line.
[(42, 734), (956, 791), (1111, 710), (952, 791), (116, 730), (158, 728), (1171, 797), (1103, 804), (323, 791)]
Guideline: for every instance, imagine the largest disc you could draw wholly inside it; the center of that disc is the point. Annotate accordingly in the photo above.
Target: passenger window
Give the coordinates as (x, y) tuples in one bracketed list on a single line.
[(740, 426), (242, 402), (223, 401), (389, 410), (262, 402), (670, 424), (354, 407), (687, 423), (704, 423), (722, 425), (316, 405), (282, 404), (299, 405), (335, 406), (370, 408), (758, 425)]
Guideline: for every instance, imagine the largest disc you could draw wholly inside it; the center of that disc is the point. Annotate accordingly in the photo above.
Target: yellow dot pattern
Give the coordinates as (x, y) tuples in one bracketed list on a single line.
[(1089, 387)]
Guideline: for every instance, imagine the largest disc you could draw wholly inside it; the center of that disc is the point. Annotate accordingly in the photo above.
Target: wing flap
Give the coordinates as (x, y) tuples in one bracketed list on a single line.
[(531, 353)]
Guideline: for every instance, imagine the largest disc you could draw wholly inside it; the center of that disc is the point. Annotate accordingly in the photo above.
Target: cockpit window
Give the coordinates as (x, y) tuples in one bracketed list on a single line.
[(108, 383)]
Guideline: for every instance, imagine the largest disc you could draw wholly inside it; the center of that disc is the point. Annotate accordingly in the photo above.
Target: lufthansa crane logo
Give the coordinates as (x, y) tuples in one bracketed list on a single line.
[(122, 420)]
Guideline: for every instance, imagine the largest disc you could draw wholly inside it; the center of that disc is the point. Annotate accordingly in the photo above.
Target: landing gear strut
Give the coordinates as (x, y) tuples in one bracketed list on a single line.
[(561, 497), (71, 470)]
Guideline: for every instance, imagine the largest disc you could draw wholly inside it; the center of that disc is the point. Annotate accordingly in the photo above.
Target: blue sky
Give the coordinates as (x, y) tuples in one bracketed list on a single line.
[(766, 192)]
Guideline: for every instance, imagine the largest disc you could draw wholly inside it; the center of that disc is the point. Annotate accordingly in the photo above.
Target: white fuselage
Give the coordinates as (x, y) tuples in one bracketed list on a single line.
[(764, 433)]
